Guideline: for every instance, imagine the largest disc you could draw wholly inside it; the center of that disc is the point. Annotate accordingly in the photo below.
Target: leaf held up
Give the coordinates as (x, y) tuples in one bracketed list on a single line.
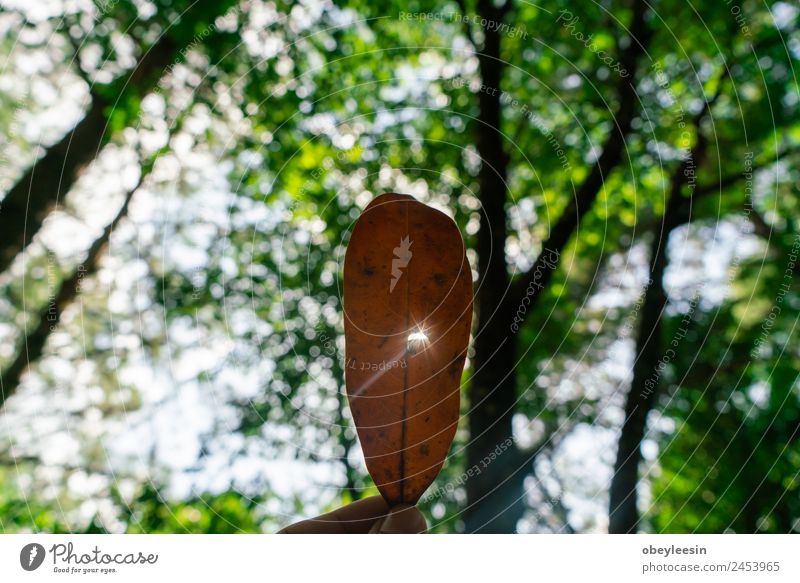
[(408, 311)]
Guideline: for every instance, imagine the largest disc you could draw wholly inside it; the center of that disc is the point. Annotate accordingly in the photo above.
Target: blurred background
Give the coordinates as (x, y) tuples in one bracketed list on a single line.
[(179, 180)]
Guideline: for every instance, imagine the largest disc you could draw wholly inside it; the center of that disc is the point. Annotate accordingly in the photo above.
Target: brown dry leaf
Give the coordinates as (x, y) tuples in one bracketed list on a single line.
[(408, 310)]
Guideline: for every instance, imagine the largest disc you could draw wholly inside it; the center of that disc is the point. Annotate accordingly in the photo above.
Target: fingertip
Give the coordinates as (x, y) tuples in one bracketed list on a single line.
[(403, 519)]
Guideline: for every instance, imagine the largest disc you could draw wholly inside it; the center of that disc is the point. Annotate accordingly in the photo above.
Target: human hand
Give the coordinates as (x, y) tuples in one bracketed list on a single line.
[(368, 516)]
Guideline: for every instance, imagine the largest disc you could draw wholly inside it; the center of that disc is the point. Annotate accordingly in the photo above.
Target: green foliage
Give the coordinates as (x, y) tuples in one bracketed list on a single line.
[(305, 117), (226, 513)]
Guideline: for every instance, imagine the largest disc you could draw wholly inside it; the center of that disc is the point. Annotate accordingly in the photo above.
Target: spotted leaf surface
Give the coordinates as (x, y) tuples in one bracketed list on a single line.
[(408, 310)]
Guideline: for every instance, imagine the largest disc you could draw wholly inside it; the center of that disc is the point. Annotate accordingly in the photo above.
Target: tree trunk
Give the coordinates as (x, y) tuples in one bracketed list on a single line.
[(623, 503), (492, 506), (624, 513), (623, 499), (495, 495)]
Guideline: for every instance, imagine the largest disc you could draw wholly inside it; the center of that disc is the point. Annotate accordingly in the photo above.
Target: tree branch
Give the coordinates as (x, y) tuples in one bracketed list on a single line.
[(540, 274), (38, 192), (731, 179), (33, 345)]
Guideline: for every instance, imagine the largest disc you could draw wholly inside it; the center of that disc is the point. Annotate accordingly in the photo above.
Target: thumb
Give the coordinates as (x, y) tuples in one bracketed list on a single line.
[(401, 519)]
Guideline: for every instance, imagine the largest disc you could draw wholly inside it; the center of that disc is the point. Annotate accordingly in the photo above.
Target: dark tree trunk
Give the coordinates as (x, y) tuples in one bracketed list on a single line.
[(623, 499), (496, 494), (623, 506), (624, 514), (493, 505)]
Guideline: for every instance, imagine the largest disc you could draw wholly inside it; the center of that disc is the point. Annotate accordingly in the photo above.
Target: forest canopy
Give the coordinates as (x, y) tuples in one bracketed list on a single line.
[(179, 183)]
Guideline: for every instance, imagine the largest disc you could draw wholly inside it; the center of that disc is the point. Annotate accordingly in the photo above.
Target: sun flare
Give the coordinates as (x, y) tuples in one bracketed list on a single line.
[(417, 340)]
